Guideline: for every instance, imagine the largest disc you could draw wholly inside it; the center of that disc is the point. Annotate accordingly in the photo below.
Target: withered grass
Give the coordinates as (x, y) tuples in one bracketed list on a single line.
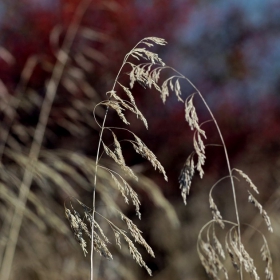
[(109, 173)]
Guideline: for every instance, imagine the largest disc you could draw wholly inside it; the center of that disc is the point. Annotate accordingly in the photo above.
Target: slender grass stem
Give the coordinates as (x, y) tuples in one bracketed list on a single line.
[(229, 170), (96, 167), (94, 197), (226, 156)]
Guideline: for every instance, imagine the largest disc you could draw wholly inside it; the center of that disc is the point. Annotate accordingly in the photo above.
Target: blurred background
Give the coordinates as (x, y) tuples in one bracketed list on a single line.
[(229, 49)]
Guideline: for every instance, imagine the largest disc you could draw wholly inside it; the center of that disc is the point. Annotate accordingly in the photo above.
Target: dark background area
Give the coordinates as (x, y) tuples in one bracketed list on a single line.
[(229, 49)]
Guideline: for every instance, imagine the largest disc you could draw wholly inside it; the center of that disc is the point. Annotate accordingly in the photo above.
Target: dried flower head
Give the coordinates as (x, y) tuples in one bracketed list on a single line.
[(239, 253), (215, 212), (266, 218), (145, 152), (247, 179), (136, 233), (118, 158), (186, 176), (210, 260), (79, 226)]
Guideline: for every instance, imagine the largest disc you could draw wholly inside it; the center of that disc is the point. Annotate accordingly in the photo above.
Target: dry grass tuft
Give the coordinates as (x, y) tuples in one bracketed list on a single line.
[(148, 74), (108, 175)]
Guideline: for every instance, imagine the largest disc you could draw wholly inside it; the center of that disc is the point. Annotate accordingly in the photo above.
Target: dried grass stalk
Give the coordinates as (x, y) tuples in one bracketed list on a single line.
[(247, 179), (215, 212), (145, 152), (136, 254), (190, 113), (78, 227), (217, 244), (131, 106), (117, 107), (119, 160), (157, 40), (148, 74), (241, 254), (266, 218), (210, 260), (265, 253), (147, 55), (136, 234), (125, 189), (233, 257), (200, 151)]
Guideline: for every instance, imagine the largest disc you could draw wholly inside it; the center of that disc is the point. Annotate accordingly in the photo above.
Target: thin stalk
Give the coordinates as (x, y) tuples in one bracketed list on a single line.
[(230, 173), (94, 196), (226, 156), (102, 127)]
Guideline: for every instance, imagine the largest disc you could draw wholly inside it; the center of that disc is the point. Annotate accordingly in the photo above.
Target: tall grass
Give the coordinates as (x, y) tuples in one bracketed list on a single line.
[(107, 176), (210, 251)]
